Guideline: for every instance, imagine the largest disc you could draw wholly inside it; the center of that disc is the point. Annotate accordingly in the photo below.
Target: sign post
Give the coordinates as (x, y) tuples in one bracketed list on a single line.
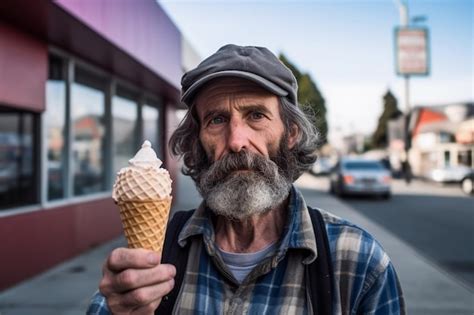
[(412, 58)]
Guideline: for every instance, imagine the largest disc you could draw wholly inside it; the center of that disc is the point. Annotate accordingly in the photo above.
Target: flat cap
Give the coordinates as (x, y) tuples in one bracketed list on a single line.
[(257, 64)]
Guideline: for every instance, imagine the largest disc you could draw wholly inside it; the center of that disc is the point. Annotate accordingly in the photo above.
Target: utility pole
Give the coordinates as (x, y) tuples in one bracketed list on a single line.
[(404, 23), (412, 58)]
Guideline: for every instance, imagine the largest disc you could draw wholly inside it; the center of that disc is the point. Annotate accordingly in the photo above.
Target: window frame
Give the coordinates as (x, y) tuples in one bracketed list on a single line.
[(36, 158), (125, 91), (71, 63), (99, 83), (158, 105), (112, 83)]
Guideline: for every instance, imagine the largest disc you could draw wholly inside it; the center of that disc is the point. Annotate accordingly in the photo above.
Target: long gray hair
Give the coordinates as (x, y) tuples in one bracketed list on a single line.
[(185, 141)]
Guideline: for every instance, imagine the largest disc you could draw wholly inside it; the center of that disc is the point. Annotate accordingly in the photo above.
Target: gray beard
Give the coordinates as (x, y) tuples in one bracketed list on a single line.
[(242, 194)]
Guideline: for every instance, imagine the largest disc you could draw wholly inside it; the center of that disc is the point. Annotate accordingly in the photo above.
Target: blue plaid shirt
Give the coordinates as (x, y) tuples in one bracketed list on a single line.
[(365, 279)]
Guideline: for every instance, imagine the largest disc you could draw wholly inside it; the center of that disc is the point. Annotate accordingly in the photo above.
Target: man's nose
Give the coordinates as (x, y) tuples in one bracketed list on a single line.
[(238, 137)]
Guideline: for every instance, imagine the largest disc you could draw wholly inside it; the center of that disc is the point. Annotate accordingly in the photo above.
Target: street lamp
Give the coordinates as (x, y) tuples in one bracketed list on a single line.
[(403, 11)]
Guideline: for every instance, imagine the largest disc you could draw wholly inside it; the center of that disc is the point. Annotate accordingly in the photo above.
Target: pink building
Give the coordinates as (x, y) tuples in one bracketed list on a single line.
[(82, 84)]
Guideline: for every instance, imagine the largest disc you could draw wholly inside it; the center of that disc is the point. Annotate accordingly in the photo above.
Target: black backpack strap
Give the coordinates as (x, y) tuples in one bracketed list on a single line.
[(321, 274), (175, 255)]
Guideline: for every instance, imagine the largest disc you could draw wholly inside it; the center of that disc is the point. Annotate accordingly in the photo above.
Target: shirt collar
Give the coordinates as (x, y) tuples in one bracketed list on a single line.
[(298, 233)]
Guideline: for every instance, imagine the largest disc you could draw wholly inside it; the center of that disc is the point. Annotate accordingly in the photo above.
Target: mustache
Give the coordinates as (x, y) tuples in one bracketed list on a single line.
[(238, 161)]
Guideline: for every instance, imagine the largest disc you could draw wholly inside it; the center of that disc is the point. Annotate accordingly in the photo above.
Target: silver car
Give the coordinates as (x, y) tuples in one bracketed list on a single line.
[(360, 176), (449, 174)]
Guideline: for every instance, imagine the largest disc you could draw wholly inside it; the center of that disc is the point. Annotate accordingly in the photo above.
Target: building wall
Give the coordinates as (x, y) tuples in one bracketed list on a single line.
[(423, 161), (139, 27), (23, 69), (135, 47), (34, 241)]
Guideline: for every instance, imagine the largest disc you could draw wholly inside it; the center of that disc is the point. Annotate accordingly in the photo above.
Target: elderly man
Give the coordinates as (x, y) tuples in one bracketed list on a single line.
[(253, 246)]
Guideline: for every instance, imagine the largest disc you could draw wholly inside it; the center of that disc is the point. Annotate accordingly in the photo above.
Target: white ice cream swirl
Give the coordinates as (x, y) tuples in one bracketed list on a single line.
[(145, 157), (143, 179)]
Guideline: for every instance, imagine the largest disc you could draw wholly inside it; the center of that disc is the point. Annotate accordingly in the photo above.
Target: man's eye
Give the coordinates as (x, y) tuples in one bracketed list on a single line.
[(216, 120), (256, 115)]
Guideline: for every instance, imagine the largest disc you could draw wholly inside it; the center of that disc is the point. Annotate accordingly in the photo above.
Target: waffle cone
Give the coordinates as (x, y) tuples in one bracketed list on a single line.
[(144, 222)]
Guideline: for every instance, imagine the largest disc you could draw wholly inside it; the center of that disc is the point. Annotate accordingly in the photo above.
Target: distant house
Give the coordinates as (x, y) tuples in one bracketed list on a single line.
[(441, 136)]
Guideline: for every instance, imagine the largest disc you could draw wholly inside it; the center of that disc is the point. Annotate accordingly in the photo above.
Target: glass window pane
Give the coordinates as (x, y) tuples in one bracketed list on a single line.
[(87, 116), (151, 121), (465, 158), (55, 124), (124, 112), (447, 158), (18, 149)]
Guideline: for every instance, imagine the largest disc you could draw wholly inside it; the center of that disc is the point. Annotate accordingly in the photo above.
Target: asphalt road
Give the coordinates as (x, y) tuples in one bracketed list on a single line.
[(436, 220)]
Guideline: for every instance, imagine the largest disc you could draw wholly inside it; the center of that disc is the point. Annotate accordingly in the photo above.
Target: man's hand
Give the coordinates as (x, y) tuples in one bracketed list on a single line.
[(134, 282)]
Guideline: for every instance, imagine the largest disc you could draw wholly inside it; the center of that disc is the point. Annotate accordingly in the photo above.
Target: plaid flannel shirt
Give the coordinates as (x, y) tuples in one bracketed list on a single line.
[(365, 279)]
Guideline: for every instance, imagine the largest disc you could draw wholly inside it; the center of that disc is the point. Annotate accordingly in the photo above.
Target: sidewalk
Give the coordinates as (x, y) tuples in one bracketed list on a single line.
[(66, 289)]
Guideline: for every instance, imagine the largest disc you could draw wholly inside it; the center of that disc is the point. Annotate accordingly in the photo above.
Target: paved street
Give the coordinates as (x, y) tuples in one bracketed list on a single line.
[(436, 220)]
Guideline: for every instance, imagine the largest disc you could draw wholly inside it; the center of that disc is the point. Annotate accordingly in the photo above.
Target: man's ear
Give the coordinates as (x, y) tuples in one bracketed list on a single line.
[(293, 136)]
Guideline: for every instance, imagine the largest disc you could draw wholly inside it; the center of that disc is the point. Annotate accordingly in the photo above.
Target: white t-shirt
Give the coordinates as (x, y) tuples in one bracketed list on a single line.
[(241, 264)]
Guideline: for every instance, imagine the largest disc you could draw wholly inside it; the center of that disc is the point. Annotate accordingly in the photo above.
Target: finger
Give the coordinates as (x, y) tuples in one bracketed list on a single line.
[(114, 281), (130, 279), (145, 295), (147, 309), (138, 258), (139, 298)]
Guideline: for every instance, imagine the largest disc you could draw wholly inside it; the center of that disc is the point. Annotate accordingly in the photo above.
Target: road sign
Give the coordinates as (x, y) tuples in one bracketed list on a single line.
[(412, 51)]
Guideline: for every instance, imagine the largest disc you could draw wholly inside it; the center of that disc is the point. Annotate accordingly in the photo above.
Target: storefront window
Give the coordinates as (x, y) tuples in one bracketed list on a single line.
[(447, 158), (151, 122), (124, 112), (55, 124), (445, 137), (465, 158), (18, 152), (88, 129)]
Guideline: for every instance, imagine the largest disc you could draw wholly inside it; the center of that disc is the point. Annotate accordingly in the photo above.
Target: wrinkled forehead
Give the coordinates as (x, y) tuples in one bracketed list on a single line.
[(224, 88)]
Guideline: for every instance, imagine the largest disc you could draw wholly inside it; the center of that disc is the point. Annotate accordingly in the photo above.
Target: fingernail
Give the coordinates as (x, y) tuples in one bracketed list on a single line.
[(172, 270), (153, 258)]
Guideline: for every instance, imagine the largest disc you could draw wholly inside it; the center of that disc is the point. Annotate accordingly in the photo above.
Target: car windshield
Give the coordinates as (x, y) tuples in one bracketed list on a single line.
[(362, 165)]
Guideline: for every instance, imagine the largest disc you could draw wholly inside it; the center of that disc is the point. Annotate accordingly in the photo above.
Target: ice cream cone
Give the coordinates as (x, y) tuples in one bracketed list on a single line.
[(144, 222), (143, 193)]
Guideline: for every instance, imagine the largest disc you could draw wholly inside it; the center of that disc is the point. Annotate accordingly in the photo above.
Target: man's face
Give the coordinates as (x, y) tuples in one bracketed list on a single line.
[(236, 115), (241, 132)]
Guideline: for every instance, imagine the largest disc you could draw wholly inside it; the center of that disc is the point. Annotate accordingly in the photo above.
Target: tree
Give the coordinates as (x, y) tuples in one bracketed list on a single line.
[(309, 95), (390, 111)]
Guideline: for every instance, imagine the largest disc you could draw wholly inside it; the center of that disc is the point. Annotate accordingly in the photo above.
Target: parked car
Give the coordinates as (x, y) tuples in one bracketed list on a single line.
[(449, 174), (467, 183), (360, 176)]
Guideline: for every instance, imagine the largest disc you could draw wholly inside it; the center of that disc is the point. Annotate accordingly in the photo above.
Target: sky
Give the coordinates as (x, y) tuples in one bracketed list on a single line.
[(346, 46)]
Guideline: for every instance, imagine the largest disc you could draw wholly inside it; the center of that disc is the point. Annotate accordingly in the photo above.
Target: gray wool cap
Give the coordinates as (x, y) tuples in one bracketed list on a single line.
[(257, 64)]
